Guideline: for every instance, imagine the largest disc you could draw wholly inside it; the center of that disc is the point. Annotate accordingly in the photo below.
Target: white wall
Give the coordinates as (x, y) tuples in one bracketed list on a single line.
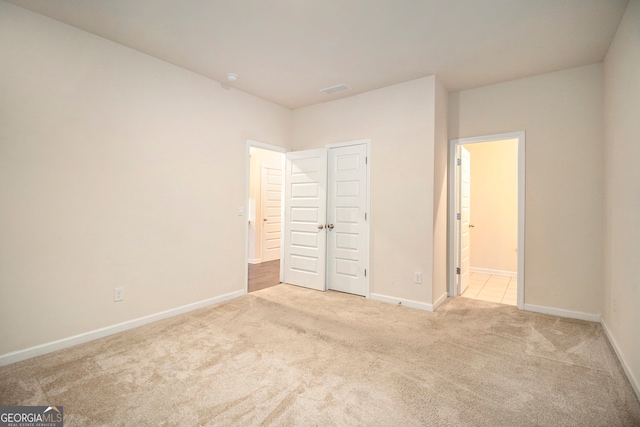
[(494, 205), (562, 115), (399, 120), (440, 204), (621, 308), (116, 170)]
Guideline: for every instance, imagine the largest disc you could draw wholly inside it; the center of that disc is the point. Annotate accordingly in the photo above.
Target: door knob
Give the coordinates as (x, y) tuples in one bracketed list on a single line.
[(471, 225), (320, 226), (265, 219), (330, 226)]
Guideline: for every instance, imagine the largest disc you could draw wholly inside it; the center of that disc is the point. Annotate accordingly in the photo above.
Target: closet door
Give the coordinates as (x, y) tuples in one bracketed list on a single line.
[(305, 218), (347, 229)]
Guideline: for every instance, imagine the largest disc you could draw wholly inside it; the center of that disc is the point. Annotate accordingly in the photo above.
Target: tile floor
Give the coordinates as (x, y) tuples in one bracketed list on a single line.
[(492, 288)]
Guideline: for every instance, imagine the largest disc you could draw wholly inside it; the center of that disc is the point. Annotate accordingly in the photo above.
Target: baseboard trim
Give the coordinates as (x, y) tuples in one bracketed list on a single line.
[(634, 382), (401, 301), (39, 350), (254, 261), (439, 301), (491, 271), (563, 313)]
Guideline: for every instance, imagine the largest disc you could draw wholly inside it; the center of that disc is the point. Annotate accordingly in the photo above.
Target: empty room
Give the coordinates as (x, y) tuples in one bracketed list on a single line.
[(158, 157)]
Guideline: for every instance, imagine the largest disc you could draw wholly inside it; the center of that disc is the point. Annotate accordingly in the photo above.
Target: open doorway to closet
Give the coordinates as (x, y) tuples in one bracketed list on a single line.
[(487, 218), (264, 215)]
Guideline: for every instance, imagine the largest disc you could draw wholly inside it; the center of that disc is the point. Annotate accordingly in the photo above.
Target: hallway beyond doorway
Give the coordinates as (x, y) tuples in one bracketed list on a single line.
[(264, 275), (492, 288), (455, 233)]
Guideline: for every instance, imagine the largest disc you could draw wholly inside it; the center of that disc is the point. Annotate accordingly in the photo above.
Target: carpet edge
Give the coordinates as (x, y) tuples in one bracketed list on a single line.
[(625, 367), (39, 350)]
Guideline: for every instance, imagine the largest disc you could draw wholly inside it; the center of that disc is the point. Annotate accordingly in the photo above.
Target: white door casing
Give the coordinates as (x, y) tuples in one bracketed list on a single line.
[(347, 230), (453, 238), (305, 218), (464, 204), (271, 211)]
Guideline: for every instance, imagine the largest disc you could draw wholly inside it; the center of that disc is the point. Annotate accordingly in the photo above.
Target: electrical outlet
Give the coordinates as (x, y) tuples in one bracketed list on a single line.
[(417, 278), (118, 294)]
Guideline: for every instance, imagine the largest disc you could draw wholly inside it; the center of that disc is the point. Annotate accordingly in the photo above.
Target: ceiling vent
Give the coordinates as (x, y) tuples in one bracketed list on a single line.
[(335, 89)]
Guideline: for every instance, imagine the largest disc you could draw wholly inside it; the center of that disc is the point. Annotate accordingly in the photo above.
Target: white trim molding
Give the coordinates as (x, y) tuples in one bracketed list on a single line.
[(635, 384), (254, 261), (39, 350), (408, 303), (590, 317), (453, 145), (439, 301)]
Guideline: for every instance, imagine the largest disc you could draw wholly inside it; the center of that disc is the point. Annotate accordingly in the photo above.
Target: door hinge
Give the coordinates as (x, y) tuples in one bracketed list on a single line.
[(365, 216), (458, 215), (366, 160), (365, 272), (458, 270), (459, 162)]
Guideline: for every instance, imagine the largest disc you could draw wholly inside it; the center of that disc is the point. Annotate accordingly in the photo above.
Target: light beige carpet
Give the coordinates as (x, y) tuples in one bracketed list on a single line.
[(291, 356)]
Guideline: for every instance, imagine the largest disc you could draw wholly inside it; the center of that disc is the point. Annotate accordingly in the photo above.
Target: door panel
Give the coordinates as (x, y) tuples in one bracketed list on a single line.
[(271, 210), (347, 202), (305, 217), (465, 218)]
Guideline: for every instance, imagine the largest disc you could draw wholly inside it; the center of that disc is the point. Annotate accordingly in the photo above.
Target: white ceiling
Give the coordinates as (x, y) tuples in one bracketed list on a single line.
[(285, 51)]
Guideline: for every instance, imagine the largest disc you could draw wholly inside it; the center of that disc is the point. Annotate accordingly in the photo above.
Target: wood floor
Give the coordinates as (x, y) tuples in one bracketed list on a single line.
[(264, 275)]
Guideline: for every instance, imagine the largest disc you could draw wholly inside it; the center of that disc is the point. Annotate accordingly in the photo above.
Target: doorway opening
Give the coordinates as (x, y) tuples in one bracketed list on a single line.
[(264, 201), (486, 221)]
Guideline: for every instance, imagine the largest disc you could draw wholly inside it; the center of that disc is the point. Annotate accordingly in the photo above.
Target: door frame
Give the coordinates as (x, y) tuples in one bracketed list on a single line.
[(247, 168), (367, 251), (453, 144), (251, 143), (459, 223)]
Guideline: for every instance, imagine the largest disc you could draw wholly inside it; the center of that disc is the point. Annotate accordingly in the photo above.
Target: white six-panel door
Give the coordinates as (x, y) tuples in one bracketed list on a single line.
[(271, 210), (347, 231), (305, 218)]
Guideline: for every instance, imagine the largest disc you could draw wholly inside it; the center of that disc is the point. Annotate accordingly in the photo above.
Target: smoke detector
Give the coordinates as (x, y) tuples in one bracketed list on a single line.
[(335, 89)]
